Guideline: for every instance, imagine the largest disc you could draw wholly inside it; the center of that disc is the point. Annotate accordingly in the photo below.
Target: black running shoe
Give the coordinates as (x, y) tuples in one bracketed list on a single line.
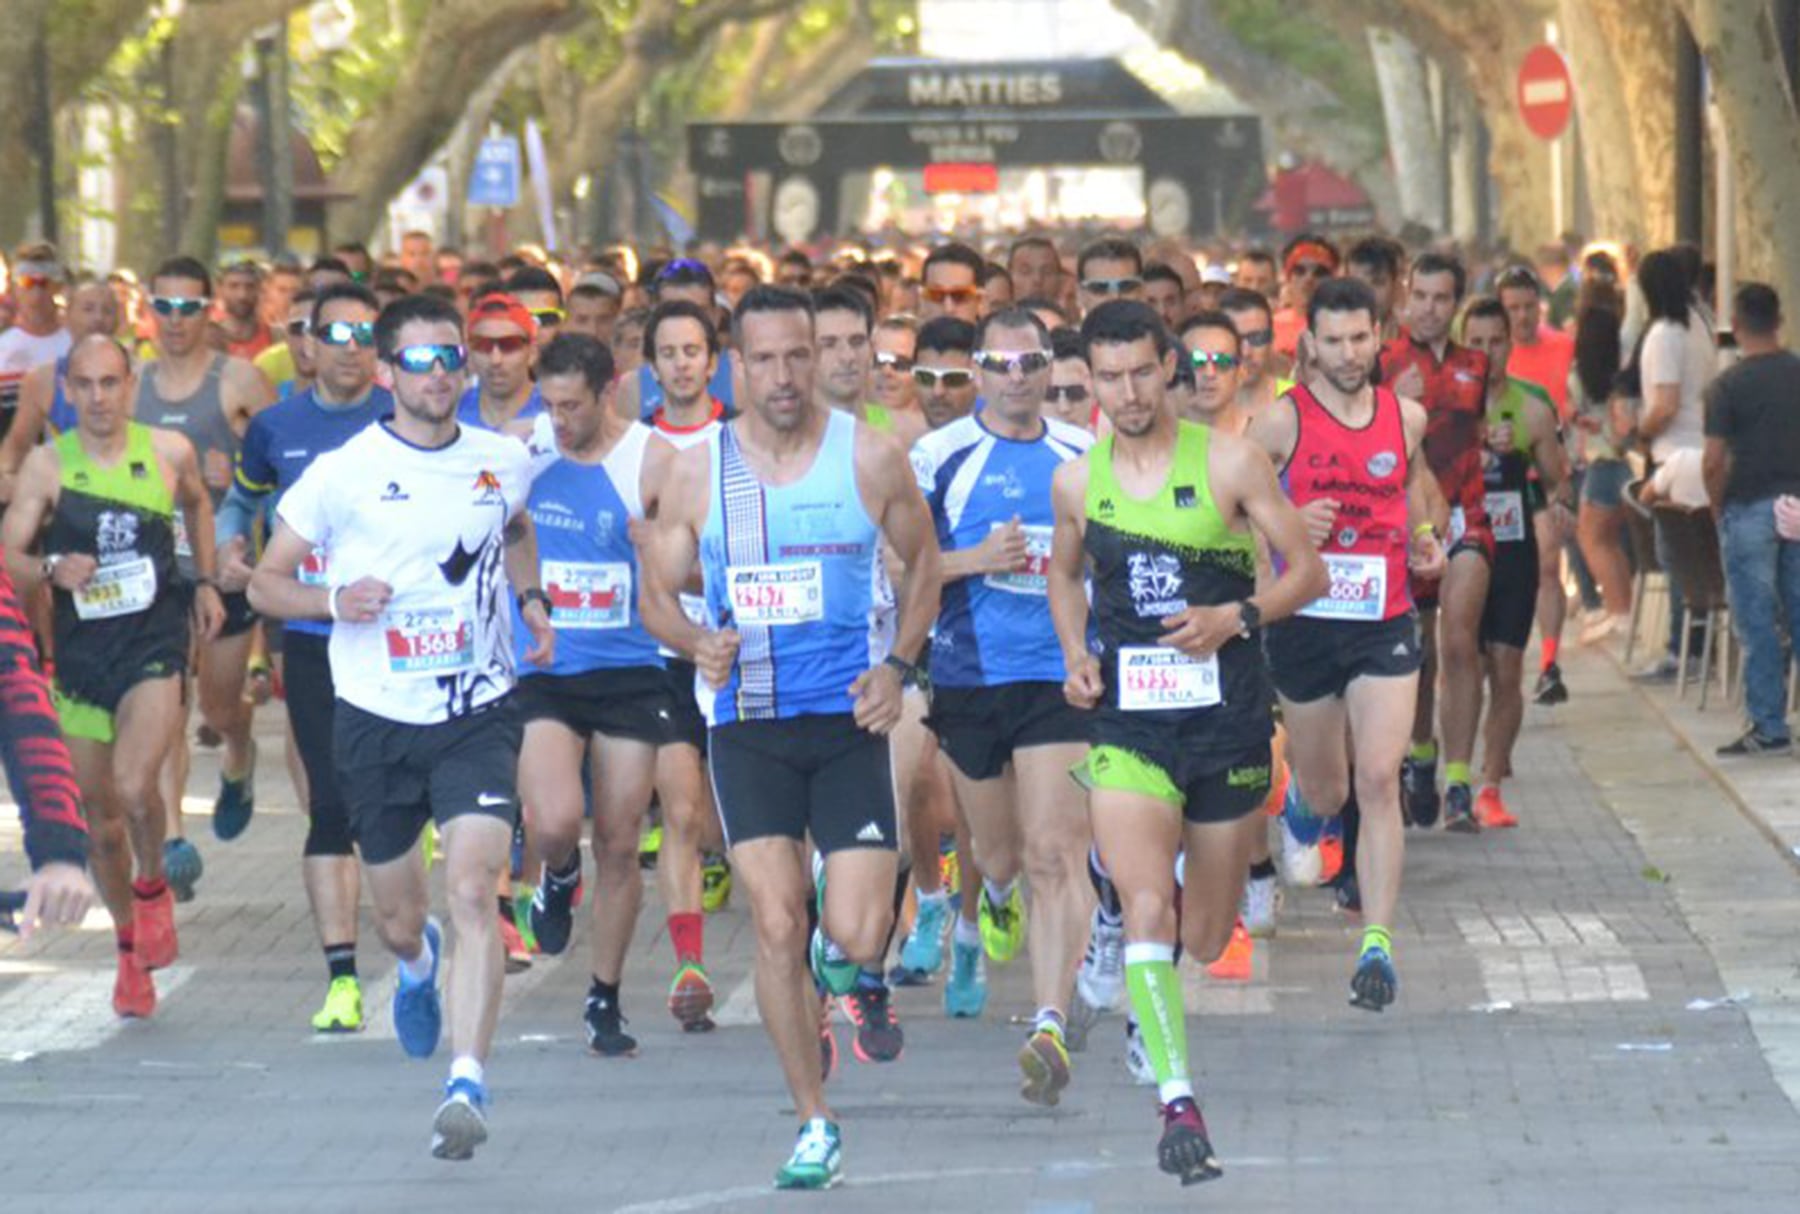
[(1550, 689), (1418, 791), (606, 1029), (1754, 744), (1347, 893), (1374, 984), (553, 910), (879, 1037), (1459, 810), (1185, 1151)]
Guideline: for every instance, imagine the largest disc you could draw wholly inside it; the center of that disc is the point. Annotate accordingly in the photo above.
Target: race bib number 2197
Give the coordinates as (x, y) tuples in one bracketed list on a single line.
[(774, 596)]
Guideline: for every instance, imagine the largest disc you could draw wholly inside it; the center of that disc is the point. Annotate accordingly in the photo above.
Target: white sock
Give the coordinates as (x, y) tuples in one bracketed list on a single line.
[(996, 892), (467, 1066), (419, 968), (940, 898), (967, 933)]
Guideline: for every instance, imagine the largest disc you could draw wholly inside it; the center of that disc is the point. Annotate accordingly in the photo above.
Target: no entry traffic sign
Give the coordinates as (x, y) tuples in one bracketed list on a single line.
[(1546, 93)]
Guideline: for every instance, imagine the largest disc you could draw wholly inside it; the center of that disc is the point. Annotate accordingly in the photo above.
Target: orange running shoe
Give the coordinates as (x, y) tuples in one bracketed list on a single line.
[(1491, 812), (1331, 856), (1233, 964), (153, 929), (518, 956), (134, 992)]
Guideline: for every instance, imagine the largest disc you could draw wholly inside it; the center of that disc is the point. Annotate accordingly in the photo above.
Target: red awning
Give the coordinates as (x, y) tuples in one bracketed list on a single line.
[(1311, 196)]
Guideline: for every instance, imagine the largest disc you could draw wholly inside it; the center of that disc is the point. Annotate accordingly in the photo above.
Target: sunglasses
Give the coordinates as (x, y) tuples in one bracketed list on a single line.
[(887, 360), (179, 305), (344, 332), (30, 282), (1111, 286), (512, 343), (1259, 338), (1074, 394), (931, 377), (420, 360), (951, 294), (299, 328), (549, 317), (684, 266), (1310, 269), (1222, 362), (1001, 363)]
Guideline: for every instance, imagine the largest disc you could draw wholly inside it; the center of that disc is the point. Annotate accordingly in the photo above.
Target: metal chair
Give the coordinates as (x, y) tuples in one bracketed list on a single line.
[(1692, 543), (1640, 536)]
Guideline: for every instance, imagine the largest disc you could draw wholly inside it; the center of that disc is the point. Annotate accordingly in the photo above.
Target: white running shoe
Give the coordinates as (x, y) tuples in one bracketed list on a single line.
[(1262, 901), (1101, 978), (1301, 865), (1137, 1058)]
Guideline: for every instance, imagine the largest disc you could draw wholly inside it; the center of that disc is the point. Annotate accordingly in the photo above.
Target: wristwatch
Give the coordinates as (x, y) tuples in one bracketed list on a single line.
[(535, 595), (49, 566), (1249, 618), (907, 669)]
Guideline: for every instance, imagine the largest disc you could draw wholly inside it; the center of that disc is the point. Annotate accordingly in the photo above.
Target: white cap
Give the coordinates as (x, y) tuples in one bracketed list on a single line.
[(1215, 275)]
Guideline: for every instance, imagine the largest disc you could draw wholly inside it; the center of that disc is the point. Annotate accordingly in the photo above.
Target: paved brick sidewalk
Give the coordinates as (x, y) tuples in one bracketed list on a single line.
[(1542, 1055)]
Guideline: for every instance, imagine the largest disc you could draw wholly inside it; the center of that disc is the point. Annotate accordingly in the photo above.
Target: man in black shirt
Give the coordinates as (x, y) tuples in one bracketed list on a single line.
[(1752, 458)]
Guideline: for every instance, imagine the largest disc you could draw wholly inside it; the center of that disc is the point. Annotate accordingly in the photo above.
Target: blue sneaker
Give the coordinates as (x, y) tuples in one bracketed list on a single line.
[(182, 867), (923, 949), (236, 802), (418, 1011), (1375, 984), (965, 995), (461, 1122)]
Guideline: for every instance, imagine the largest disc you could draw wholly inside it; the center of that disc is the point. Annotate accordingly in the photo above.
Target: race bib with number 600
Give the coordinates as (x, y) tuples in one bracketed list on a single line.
[(429, 641), (115, 590), (775, 596), (1154, 678), (1358, 588)]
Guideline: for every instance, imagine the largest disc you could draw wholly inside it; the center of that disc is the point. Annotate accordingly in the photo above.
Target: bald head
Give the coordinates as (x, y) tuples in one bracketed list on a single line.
[(99, 354)]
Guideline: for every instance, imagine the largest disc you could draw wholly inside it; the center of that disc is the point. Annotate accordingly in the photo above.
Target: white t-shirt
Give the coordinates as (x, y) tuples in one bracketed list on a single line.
[(431, 524), (1683, 355), (21, 352)]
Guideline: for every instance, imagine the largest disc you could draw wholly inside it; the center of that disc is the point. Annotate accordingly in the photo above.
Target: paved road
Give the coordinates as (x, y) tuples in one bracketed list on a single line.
[(1543, 1054)]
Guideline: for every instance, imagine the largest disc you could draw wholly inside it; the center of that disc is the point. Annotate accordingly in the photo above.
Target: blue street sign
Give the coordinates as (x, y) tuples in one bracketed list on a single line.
[(495, 181)]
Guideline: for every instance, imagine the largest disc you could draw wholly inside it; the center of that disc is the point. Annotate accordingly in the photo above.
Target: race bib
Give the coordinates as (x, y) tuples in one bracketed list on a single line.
[(429, 641), (774, 596), (1032, 579), (122, 589), (1153, 678), (1506, 514), (693, 607), (1459, 523), (183, 548), (589, 594), (315, 570), (1358, 588)]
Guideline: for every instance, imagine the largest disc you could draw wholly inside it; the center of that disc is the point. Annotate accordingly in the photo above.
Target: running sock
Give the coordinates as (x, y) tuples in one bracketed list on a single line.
[(869, 980), (938, 898), (998, 893), (1376, 936), (605, 992), (1263, 870), (149, 891), (967, 933), (1351, 817), (340, 959), (687, 936), (1112, 911), (1456, 773), (1156, 1002), (1551, 645), (419, 968), (1049, 1020), (566, 877), (1424, 752), (467, 1066)]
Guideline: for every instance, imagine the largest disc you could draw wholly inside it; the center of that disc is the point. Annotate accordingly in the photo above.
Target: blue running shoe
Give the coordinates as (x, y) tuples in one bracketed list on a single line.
[(965, 995), (923, 950), (1299, 818), (1375, 983), (418, 1011), (236, 802), (461, 1122), (182, 867)]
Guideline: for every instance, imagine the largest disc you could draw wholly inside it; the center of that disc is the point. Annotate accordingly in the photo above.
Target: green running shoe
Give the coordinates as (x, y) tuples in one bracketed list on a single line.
[(817, 1161), (343, 1010), (1003, 927)]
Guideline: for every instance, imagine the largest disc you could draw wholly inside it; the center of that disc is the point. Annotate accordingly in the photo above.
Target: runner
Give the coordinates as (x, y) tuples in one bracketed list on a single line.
[(503, 349), (238, 330), (1036, 268), (1306, 261), (846, 328), (895, 341), (44, 410), (281, 443), (1348, 664), (541, 296), (1378, 261), (683, 280), (1522, 437), (1109, 268), (1071, 395), (783, 513), (1160, 511), (1425, 365), (604, 700), (996, 705), (37, 335), (1258, 385), (102, 499), (289, 365), (421, 523)]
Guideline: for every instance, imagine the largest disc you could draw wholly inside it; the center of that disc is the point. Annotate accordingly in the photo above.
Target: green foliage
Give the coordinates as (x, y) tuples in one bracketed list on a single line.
[(1316, 49)]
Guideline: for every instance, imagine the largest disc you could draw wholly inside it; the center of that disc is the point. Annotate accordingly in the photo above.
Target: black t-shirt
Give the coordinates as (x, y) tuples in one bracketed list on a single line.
[(1755, 407)]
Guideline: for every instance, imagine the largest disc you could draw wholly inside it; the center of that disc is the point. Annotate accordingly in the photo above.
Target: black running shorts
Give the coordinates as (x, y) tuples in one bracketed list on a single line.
[(629, 702), (981, 727), (822, 776), (687, 725), (1312, 659), (1511, 608)]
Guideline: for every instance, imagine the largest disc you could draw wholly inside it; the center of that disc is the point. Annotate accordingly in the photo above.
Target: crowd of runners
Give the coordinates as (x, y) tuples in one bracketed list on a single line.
[(753, 563)]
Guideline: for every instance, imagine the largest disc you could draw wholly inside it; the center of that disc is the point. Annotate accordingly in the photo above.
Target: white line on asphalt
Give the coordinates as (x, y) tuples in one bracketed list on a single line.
[(1546, 957), (739, 1008), (70, 1009)]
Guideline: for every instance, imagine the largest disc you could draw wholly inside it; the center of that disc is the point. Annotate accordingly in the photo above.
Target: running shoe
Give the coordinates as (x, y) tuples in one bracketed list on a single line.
[(1752, 744), (1083, 1016), (1185, 1150), (418, 1010), (134, 991), (236, 802), (1374, 985), (950, 872), (649, 847), (1331, 851), (715, 883), (461, 1122), (552, 912), (153, 929), (518, 956), (1262, 901), (1003, 927), (691, 998), (1418, 791), (879, 1037), (182, 867), (1137, 1057), (260, 685), (1044, 1062), (1101, 977), (1550, 689), (343, 1011), (836, 973), (1658, 670), (828, 1047), (817, 1161), (965, 995), (923, 949), (1301, 862), (1347, 895), (1491, 812), (606, 1029), (1234, 964), (521, 904), (1459, 810)]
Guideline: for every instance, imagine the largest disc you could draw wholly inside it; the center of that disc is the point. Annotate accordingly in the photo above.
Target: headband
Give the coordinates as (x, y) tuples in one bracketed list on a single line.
[(1310, 250)]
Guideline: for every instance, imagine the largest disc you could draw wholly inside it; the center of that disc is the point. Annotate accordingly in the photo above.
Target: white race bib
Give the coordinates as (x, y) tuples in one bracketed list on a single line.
[(183, 547), (774, 596), (122, 589), (1033, 577), (315, 570), (429, 641), (1506, 514), (588, 594), (1459, 523), (1154, 678), (1358, 588)]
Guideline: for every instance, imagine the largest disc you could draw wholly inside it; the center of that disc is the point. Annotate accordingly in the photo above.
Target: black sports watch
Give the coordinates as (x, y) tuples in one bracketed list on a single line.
[(535, 595), (907, 670), (1249, 618)]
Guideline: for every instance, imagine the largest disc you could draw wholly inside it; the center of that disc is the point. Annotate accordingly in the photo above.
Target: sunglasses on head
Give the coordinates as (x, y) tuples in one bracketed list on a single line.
[(345, 332), (1258, 338), (951, 294), (1111, 286), (684, 266), (1001, 363), (1223, 362), (952, 377), (33, 281), (512, 343), (887, 360), (549, 317), (1074, 394), (179, 305), (420, 360)]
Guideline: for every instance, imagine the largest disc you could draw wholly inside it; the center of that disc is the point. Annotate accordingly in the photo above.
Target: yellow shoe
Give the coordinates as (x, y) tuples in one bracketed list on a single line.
[(343, 1011), (715, 884), (1003, 927)]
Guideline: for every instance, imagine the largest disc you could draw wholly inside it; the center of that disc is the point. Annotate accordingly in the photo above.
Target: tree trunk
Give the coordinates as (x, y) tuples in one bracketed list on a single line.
[(1642, 41), (1616, 186), (19, 47), (1414, 142), (746, 90)]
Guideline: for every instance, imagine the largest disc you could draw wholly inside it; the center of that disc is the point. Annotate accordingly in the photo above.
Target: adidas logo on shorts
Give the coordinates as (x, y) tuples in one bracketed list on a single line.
[(870, 833)]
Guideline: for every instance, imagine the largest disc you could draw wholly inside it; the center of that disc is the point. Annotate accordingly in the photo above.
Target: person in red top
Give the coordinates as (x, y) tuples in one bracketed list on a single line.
[(1423, 364), (1307, 261), (239, 330), (1349, 663)]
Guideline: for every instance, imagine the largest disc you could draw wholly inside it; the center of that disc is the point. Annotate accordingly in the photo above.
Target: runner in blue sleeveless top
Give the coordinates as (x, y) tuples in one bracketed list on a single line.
[(686, 280), (606, 694), (502, 353), (785, 513), (997, 704)]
